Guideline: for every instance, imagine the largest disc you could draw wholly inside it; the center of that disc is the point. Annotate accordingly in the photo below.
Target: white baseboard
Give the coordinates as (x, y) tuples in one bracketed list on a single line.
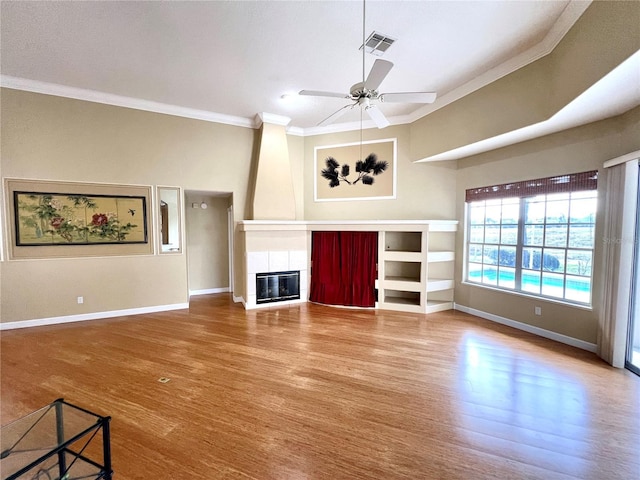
[(558, 337), (208, 291), (90, 316)]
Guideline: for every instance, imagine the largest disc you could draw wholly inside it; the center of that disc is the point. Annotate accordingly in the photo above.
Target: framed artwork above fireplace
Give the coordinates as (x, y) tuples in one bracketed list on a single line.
[(355, 171)]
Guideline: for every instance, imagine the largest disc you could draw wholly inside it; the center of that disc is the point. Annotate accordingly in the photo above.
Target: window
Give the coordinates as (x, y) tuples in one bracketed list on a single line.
[(535, 237)]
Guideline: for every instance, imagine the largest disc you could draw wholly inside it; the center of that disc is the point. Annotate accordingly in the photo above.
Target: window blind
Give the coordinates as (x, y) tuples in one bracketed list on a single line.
[(573, 182)]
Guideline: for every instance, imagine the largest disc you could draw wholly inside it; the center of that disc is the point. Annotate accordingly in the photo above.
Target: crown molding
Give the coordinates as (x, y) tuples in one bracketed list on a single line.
[(567, 19), (339, 128), (296, 131), (94, 96), (569, 16), (272, 118)]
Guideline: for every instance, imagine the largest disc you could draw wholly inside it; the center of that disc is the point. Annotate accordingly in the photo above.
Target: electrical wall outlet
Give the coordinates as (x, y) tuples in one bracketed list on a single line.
[(80, 300), (538, 310)]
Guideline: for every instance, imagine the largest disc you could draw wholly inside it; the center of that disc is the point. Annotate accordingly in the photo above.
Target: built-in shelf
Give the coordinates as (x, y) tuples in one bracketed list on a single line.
[(443, 226), (415, 257), (403, 242), (389, 278), (401, 270), (402, 298), (404, 301), (447, 256), (407, 285), (438, 306), (416, 267), (404, 256), (439, 284)]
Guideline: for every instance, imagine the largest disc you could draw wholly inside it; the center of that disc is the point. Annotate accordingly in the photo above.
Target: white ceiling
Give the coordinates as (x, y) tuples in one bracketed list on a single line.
[(228, 61)]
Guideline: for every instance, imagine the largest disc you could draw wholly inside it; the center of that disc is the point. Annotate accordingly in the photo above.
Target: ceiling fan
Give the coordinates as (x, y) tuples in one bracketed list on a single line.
[(366, 95)]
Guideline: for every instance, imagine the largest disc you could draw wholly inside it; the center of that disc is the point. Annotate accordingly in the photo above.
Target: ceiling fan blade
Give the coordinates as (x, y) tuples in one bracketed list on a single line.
[(337, 114), (408, 97), (377, 116), (377, 74), (317, 93)]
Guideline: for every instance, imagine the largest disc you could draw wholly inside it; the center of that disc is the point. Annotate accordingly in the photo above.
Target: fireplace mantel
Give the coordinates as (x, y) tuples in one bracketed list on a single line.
[(282, 245), (262, 225), (310, 225)]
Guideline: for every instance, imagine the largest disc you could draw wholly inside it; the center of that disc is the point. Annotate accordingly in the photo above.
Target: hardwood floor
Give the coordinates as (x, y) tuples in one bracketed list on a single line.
[(314, 392)]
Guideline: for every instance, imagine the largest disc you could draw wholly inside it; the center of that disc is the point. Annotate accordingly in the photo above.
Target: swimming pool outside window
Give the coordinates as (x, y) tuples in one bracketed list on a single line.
[(535, 237)]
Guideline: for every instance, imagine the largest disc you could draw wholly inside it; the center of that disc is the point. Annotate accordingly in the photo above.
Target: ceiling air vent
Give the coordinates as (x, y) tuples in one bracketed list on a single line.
[(377, 44)]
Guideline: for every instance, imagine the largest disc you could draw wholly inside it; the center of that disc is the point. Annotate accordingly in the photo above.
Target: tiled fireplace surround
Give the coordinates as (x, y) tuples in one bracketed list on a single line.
[(278, 261), (272, 246)]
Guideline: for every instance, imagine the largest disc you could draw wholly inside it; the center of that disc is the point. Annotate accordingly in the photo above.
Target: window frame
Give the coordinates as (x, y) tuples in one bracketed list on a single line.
[(523, 197)]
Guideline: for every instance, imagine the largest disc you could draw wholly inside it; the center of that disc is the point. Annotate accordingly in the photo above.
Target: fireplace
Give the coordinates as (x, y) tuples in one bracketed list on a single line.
[(277, 286), (274, 248)]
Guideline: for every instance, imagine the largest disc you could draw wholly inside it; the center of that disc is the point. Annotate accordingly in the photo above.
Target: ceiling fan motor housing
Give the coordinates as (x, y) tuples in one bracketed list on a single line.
[(365, 95), (358, 91)]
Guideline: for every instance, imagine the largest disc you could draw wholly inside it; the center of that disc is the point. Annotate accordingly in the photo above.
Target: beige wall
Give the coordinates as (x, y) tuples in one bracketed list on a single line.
[(296, 162), (602, 38), (52, 138), (273, 194), (579, 149), (424, 191), (45, 137), (38, 289), (207, 238)]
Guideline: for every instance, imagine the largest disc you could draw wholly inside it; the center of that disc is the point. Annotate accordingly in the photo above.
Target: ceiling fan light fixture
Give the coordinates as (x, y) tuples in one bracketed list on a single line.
[(377, 44)]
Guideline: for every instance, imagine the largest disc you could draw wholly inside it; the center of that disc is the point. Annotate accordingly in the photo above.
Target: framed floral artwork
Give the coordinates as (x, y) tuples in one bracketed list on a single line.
[(74, 219), (49, 219)]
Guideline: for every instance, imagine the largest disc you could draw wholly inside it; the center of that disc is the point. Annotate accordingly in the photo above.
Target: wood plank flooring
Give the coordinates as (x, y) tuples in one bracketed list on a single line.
[(315, 392)]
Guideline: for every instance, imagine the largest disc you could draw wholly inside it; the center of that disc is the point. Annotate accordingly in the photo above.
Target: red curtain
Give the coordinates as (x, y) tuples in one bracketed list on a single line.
[(343, 268)]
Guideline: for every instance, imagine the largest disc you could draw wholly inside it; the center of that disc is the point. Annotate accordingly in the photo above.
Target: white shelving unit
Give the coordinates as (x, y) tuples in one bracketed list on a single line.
[(416, 266), (415, 257)]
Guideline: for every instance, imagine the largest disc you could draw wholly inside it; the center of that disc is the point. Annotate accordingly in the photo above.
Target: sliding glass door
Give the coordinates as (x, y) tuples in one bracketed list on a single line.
[(633, 345)]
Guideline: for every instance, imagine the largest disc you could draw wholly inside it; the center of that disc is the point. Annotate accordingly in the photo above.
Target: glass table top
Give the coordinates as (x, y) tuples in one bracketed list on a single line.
[(33, 438)]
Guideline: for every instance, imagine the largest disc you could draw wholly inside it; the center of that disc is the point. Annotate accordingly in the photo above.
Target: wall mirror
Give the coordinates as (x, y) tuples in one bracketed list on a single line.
[(169, 220)]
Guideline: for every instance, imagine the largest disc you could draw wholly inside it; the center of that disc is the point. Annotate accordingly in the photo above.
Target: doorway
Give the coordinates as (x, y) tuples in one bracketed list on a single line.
[(208, 237)]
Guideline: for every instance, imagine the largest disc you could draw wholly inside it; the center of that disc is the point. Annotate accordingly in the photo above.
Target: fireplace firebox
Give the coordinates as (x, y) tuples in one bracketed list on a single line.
[(277, 286)]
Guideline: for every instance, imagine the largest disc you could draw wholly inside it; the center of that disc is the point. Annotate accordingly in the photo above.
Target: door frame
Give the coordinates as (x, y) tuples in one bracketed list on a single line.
[(633, 329)]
